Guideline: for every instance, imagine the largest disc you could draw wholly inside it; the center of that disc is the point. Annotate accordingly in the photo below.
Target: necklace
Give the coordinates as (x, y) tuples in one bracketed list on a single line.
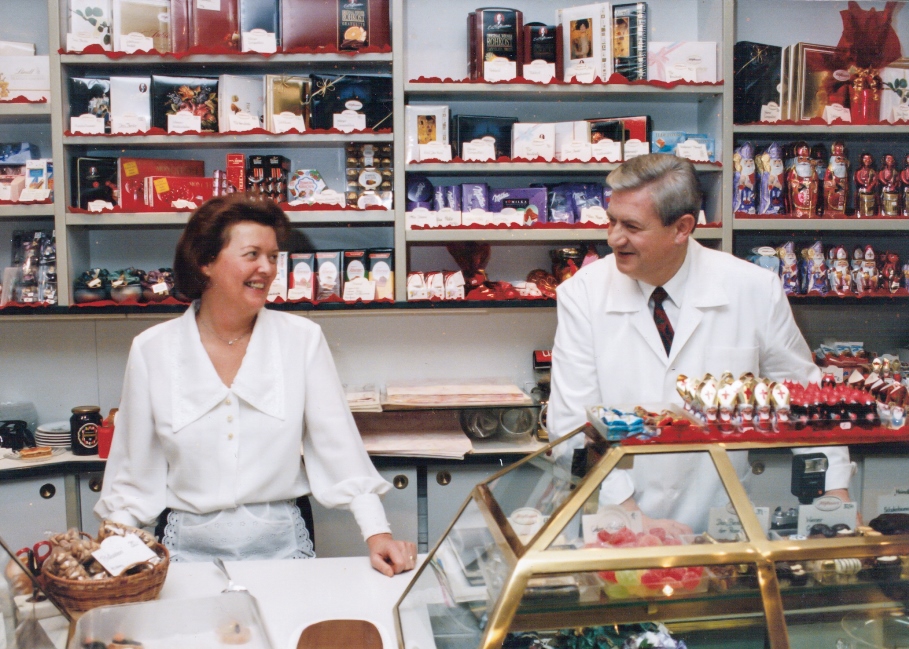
[(224, 340)]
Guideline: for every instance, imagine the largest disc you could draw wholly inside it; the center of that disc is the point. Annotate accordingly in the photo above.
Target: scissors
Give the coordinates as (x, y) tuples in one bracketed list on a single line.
[(34, 556)]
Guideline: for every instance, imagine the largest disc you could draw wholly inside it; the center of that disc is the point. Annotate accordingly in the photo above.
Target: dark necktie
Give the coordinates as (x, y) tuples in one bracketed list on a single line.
[(659, 317)]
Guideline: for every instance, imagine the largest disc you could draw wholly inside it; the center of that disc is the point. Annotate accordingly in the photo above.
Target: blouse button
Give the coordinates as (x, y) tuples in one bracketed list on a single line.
[(228, 402), (231, 436), (230, 418)]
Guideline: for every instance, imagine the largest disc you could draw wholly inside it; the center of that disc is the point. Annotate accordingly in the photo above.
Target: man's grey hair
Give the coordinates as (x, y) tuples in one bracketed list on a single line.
[(670, 180)]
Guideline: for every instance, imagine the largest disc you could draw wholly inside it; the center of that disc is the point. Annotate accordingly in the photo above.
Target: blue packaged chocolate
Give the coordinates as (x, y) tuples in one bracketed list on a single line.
[(466, 128), (474, 196), (789, 268), (419, 191), (447, 196), (561, 205), (333, 94), (765, 257)]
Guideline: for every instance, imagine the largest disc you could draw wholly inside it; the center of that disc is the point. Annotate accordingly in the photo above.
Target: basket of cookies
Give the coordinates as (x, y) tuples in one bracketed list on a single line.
[(73, 575)]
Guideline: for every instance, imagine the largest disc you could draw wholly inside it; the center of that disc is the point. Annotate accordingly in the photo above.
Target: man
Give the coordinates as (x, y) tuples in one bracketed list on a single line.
[(723, 314)]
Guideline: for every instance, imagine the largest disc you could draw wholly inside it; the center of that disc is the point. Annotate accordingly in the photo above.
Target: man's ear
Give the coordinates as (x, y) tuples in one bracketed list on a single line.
[(684, 227)]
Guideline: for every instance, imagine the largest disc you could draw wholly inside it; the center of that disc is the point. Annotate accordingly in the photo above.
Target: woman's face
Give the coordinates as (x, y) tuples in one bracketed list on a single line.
[(243, 271)]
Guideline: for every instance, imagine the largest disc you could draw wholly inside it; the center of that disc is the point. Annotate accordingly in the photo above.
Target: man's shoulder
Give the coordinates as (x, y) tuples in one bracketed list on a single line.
[(727, 267)]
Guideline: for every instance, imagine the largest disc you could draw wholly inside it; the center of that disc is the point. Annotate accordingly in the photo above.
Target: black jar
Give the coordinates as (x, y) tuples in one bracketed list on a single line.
[(83, 427)]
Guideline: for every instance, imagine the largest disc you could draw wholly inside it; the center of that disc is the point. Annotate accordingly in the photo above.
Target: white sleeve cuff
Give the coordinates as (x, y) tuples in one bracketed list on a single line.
[(370, 515)]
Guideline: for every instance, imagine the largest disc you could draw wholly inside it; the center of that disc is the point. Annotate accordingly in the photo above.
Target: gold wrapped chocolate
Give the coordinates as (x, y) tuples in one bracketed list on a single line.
[(681, 386), (707, 392), (746, 389), (779, 395), (762, 393)]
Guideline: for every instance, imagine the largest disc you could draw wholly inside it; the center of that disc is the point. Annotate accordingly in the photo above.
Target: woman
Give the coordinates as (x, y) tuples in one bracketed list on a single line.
[(217, 403)]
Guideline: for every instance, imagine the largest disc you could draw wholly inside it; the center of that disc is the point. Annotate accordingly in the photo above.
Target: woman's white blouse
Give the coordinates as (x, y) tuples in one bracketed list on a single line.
[(185, 440)]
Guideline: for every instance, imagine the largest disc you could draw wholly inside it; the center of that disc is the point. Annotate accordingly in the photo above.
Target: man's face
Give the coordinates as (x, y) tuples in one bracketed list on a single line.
[(644, 248)]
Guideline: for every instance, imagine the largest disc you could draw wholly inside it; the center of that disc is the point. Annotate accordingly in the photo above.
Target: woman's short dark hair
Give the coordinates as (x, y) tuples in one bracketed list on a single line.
[(208, 230)]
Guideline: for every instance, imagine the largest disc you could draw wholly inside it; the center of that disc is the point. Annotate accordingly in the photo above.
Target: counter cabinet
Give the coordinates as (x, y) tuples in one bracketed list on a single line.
[(533, 555)]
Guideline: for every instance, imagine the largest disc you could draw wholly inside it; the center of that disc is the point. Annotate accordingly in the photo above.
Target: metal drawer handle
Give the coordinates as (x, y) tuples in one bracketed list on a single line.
[(94, 484), (400, 482), (47, 491)]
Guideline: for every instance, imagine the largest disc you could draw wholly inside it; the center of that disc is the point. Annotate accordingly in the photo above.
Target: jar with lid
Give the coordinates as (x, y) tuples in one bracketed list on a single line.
[(84, 426)]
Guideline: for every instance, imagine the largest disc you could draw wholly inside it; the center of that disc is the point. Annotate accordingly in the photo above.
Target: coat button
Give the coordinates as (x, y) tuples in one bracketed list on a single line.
[(231, 436), (230, 418), (228, 402)]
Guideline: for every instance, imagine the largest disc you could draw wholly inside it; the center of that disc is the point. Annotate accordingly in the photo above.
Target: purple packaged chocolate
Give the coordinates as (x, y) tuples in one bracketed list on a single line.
[(474, 196), (531, 201), (607, 194), (561, 205), (419, 189), (447, 196)]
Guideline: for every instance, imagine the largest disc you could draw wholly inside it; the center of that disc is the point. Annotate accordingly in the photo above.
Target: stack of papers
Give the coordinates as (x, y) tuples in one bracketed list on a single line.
[(363, 398), (438, 444), (471, 392)]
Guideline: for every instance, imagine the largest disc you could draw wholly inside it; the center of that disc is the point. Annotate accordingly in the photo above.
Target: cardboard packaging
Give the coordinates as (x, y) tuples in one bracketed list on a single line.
[(141, 25), (380, 268), (328, 274), (356, 283), (629, 40), (426, 134), (277, 172), (236, 171), (370, 176), (26, 76), (521, 206), (180, 32), (163, 192), (214, 23), (95, 179), (286, 103), (586, 42), (240, 103), (14, 48), (607, 138), (133, 172), (467, 129), (262, 15), (682, 61), (330, 24), (278, 288), (757, 69), (88, 28), (194, 100), (572, 141), (530, 141), (495, 38), (351, 102), (89, 105), (541, 58), (130, 104), (300, 279), (11, 187), (636, 133)]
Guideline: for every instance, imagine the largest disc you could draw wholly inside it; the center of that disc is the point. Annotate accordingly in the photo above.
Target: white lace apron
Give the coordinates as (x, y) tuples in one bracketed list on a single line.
[(257, 531)]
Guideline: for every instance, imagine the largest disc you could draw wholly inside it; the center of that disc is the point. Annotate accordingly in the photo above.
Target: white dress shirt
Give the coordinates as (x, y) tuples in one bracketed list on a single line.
[(186, 441)]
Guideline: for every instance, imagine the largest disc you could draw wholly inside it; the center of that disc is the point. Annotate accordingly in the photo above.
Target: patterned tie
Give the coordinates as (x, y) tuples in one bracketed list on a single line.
[(659, 317)]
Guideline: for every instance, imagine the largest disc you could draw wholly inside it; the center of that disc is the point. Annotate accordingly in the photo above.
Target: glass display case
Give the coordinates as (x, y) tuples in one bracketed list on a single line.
[(543, 555)]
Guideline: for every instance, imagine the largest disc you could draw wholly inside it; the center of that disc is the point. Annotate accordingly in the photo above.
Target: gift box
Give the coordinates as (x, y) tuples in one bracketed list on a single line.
[(380, 268), (240, 103), (522, 206), (90, 97), (494, 44), (572, 141), (335, 24), (328, 274), (468, 128), (132, 173), (141, 25), (351, 102), (263, 15), (95, 179), (629, 40), (163, 192), (130, 104), (533, 141), (286, 102), (369, 174), (757, 79), (300, 285), (180, 25), (214, 23), (586, 42), (195, 98), (278, 288), (88, 27), (540, 44), (26, 76), (11, 187), (426, 132), (682, 61)]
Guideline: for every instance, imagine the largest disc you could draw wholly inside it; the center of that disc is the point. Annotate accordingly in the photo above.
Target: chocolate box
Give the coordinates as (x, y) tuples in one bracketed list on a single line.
[(586, 42), (161, 192), (261, 14), (94, 179), (757, 79), (494, 33), (348, 25), (466, 128), (370, 96), (198, 95), (278, 288), (277, 172), (521, 206), (369, 173), (301, 278), (141, 25), (286, 94), (179, 25), (236, 171), (474, 196), (540, 43), (380, 268), (214, 23), (328, 274), (629, 40), (90, 97), (133, 172)]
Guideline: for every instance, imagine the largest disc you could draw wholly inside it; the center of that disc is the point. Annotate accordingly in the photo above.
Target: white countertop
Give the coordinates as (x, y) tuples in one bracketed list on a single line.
[(294, 594)]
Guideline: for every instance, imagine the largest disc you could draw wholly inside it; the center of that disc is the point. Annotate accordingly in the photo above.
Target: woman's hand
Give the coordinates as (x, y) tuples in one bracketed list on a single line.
[(391, 557)]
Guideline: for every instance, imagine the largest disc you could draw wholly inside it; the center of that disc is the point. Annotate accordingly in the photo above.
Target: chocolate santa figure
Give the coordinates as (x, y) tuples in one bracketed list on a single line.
[(866, 186), (836, 182), (891, 274), (802, 183), (841, 272), (904, 179), (744, 178), (773, 173), (891, 185), (867, 280)]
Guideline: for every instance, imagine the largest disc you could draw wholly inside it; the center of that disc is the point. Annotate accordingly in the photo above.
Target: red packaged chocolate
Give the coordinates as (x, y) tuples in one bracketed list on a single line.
[(179, 25), (134, 171), (236, 171), (348, 25), (215, 23), (161, 192)]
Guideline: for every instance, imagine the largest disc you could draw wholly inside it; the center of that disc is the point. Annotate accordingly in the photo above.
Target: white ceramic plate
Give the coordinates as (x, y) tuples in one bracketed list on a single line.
[(14, 455)]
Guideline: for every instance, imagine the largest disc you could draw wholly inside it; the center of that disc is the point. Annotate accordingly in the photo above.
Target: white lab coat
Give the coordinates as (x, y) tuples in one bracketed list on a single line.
[(734, 316), (186, 441)]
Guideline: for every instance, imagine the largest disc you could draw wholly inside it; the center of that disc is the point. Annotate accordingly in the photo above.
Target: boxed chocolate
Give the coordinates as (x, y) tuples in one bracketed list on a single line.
[(435, 284), (278, 288), (26, 76), (682, 61), (94, 179), (132, 173), (521, 206), (256, 171), (89, 24), (530, 141), (419, 192), (494, 43), (757, 69), (355, 262), (130, 104), (474, 196), (236, 171), (348, 25), (277, 173), (447, 197), (560, 204), (454, 284), (586, 42), (369, 175), (180, 32), (11, 187), (351, 102), (286, 102), (300, 284), (416, 287), (195, 98), (636, 133), (629, 40), (426, 132), (572, 141), (240, 103), (214, 23), (380, 268), (90, 97), (163, 192), (264, 15), (328, 274), (141, 25), (540, 43), (607, 138), (467, 128)]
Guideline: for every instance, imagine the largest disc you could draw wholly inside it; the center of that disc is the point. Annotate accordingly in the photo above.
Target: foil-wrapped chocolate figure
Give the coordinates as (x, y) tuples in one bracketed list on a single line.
[(789, 268), (802, 183), (867, 279), (889, 177), (744, 191), (904, 180), (763, 420), (745, 409), (779, 397), (836, 181), (773, 174), (727, 397), (707, 396), (866, 186), (891, 272), (841, 272)]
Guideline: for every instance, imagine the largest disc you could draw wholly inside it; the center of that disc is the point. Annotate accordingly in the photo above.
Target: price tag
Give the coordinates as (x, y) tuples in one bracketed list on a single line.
[(895, 503), (210, 5), (117, 553), (329, 197), (692, 150), (258, 40), (724, 524), (500, 69), (136, 42), (283, 122), (34, 195), (575, 151), (479, 150), (435, 151), (771, 112), (538, 149), (899, 113), (581, 72), (78, 42), (359, 288), (349, 121), (828, 510), (446, 217), (87, 124), (243, 121), (99, 206), (420, 217), (837, 111), (182, 204), (634, 148), (128, 124), (159, 288), (595, 214), (539, 71), (184, 121), (606, 150), (682, 72)]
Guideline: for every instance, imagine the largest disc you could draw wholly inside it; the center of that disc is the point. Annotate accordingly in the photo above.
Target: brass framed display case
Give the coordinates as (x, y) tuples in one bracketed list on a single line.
[(539, 557)]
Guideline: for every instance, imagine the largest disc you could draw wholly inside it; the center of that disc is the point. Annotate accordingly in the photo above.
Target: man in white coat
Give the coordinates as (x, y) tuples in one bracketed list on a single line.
[(724, 314)]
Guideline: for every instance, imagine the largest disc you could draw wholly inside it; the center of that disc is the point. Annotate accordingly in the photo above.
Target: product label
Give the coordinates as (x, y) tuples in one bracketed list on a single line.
[(581, 71), (693, 150), (87, 435), (499, 69), (78, 42), (479, 150), (209, 5), (87, 124), (895, 503), (130, 169), (837, 111), (500, 35), (353, 25), (243, 121), (420, 217), (128, 124), (771, 112), (258, 40), (184, 121), (117, 553), (828, 510), (359, 289), (607, 150), (349, 121), (136, 42), (543, 45), (287, 121), (575, 151), (724, 523), (899, 113), (435, 151), (634, 148), (99, 206), (539, 71)]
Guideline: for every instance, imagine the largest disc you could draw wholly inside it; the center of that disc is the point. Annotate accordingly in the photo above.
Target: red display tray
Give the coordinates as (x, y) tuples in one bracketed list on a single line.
[(683, 433)]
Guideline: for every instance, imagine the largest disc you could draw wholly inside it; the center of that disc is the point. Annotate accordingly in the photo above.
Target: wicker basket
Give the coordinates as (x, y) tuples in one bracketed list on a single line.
[(80, 595)]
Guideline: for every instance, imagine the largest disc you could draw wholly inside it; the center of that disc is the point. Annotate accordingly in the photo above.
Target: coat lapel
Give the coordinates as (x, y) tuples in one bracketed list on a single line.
[(260, 381), (625, 296)]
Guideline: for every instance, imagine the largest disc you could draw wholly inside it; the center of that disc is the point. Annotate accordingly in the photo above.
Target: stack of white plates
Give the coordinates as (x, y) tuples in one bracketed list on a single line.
[(53, 434)]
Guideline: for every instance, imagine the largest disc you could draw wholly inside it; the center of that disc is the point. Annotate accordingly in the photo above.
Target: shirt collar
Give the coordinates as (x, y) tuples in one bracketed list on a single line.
[(675, 287)]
